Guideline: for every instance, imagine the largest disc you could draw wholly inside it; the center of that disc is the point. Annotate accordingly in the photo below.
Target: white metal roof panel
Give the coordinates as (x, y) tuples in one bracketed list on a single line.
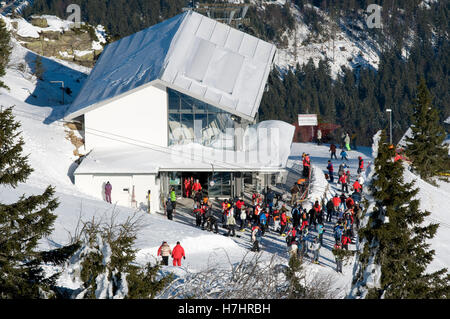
[(192, 53)]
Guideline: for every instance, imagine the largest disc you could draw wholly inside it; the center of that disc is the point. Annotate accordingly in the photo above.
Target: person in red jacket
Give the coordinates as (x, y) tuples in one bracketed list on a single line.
[(361, 165), (283, 223), (349, 202), (177, 254), (357, 186), (343, 180), (336, 203)]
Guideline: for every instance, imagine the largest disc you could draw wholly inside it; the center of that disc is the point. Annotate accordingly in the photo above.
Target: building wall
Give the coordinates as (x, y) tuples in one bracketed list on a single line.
[(122, 186), (140, 116)]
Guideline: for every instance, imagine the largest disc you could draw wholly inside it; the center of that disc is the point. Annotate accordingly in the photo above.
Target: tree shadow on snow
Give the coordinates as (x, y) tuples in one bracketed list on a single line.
[(47, 94)]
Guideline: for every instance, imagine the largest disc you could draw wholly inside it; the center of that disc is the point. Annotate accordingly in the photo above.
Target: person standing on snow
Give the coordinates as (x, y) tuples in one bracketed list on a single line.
[(231, 224), (283, 223), (243, 217), (306, 165), (173, 198), (108, 189), (294, 193), (177, 254), (357, 186), (347, 141), (320, 231), (343, 155), (169, 209), (315, 247), (164, 251), (360, 165), (330, 209), (256, 238), (343, 180), (319, 137), (333, 151), (337, 253), (330, 171)]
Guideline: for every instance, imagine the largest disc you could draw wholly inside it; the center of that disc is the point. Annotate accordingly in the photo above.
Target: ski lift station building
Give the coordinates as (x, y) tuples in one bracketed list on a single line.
[(174, 101)]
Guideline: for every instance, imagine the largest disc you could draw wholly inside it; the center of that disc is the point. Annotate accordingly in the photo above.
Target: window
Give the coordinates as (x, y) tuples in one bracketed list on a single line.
[(191, 121)]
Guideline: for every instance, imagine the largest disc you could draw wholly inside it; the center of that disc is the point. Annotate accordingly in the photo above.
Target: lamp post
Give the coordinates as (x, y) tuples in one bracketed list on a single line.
[(390, 125), (62, 85)]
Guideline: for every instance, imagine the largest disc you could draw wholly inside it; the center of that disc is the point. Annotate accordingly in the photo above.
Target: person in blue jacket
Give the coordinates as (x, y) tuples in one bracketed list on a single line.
[(263, 221), (320, 231)]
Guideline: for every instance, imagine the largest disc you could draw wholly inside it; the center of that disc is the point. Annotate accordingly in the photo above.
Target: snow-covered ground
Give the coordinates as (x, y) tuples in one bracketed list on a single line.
[(51, 156)]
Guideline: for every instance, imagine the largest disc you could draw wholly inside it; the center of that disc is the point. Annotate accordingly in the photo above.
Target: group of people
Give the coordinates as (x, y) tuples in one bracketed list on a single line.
[(190, 187), (176, 253), (300, 239)]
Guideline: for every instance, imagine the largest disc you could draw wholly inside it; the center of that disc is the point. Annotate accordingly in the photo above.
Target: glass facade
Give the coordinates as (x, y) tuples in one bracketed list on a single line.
[(193, 121)]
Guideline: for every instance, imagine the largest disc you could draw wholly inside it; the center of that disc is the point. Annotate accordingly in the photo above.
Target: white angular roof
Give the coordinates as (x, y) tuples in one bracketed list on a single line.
[(190, 53)]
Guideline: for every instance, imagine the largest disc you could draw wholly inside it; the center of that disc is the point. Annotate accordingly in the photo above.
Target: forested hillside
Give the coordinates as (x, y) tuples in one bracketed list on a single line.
[(412, 43)]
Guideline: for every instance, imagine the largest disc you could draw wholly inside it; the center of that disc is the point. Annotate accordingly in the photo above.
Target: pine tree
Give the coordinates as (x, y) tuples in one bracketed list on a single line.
[(396, 235), (23, 223), (425, 147), (5, 50)]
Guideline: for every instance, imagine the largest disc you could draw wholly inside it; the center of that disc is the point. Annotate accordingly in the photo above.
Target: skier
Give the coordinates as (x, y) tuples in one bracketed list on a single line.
[(330, 171), (342, 206), (212, 222), (315, 247), (108, 189), (306, 165), (263, 221), (320, 231), (343, 155), (360, 165), (231, 223), (177, 253), (173, 198), (337, 253), (347, 141), (330, 209), (169, 209), (294, 193), (345, 240), (256, 238), (343, 180), (341, 170), (186, 187), (357, 186), (164, 251), (198, 214), (333, 151), (296, 216), (336, 203), (283, 223), (197, 187), (319, 137), (243, 218)]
